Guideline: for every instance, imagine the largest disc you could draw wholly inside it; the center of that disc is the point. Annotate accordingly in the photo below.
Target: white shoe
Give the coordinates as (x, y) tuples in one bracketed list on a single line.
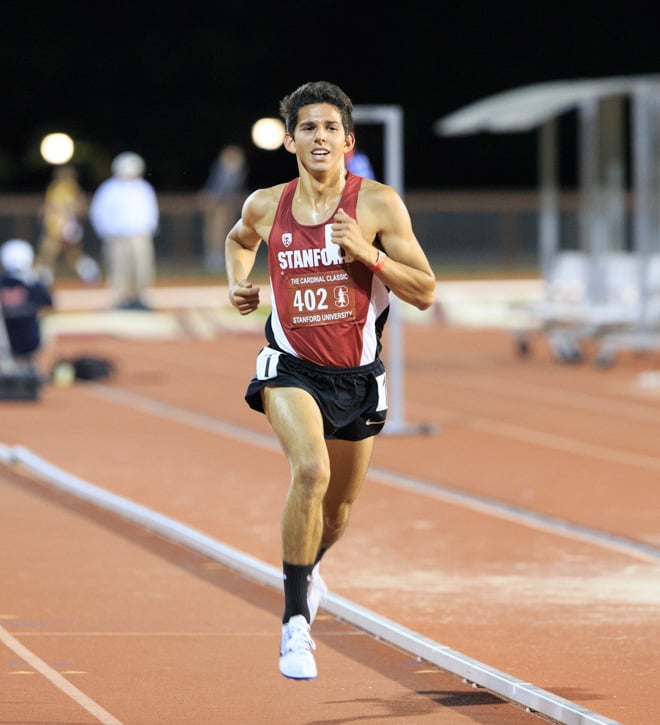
[(316, 591), (296, 658)]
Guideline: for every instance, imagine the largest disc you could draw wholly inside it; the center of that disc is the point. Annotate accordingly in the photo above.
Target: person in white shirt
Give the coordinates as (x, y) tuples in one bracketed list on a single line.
[(125, 215)]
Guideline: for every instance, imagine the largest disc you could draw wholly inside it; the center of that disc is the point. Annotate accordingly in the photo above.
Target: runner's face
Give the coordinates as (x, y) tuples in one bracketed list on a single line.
[(319, 139)]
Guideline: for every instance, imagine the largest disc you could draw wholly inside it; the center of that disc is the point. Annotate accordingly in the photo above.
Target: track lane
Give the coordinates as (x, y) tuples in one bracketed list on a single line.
[(467, 590), (108, 623)]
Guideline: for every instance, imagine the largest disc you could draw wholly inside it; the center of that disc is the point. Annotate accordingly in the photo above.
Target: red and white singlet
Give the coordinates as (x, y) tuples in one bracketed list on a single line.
[(324, 310)]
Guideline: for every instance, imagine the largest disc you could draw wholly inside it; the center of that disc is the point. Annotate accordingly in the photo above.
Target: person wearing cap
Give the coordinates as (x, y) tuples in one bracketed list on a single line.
[(124, 214), (23, 297)]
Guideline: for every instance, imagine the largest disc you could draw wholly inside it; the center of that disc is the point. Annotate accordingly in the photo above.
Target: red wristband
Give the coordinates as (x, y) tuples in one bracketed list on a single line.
[(379, 262)]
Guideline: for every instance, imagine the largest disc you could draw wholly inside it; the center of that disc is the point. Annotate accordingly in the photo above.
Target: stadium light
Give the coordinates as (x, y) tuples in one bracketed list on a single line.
[(268, 133), (57, 148)]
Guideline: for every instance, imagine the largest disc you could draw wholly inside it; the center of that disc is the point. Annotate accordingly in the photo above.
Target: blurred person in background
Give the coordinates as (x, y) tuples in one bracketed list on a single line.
[(62, 214), (23, 298), (125, 215), (220, 200), (358, 163)]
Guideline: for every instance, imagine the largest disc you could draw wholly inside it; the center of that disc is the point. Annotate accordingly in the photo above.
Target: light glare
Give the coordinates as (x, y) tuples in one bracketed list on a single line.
[(57, 148), (268, 133)]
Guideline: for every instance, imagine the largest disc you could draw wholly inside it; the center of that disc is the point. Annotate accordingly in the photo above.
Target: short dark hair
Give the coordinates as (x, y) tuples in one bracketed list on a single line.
[(316, 92)]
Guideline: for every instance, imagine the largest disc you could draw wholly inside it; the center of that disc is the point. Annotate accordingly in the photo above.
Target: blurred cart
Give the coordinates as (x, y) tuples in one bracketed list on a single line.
[(611, 299)]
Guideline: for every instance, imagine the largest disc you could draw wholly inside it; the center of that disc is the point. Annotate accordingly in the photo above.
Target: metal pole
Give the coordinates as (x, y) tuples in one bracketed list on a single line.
[(549, 214), (392, 119), (643, 153), (591, 240)]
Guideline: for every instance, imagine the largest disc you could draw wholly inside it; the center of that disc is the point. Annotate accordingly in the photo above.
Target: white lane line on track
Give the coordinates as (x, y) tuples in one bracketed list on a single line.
[(54, 677), (505, 387), (490, 507), (508, 430), (549, 440), (532, 520), (181, 415), (471, 670)]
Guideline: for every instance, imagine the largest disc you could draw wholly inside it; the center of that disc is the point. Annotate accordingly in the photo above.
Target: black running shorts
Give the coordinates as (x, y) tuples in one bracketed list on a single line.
[(352, 401)]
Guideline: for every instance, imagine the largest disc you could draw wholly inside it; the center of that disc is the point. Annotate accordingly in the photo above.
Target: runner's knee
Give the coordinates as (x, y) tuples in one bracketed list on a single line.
[(312, 475)]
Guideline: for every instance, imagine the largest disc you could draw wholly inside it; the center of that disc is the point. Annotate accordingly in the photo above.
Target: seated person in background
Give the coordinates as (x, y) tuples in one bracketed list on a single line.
[(22, 297)]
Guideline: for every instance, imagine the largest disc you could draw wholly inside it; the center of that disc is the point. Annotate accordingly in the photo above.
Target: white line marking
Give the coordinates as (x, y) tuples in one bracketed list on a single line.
[(54, 677), (486, 506), (549, 440), (472, 670), (584, 402)]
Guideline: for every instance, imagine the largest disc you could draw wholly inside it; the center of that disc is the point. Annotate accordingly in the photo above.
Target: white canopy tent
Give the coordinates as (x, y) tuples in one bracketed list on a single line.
[(601, 150), (604, 154)]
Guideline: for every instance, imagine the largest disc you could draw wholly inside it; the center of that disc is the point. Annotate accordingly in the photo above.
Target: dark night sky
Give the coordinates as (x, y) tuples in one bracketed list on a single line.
[(175, 82)]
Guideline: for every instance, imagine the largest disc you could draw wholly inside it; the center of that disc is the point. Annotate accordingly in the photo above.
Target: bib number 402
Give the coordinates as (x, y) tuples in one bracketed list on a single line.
[(310, 300)]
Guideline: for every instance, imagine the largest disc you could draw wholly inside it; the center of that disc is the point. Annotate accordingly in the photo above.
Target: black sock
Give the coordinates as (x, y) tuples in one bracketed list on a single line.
[(319, 556), (296, 580)]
